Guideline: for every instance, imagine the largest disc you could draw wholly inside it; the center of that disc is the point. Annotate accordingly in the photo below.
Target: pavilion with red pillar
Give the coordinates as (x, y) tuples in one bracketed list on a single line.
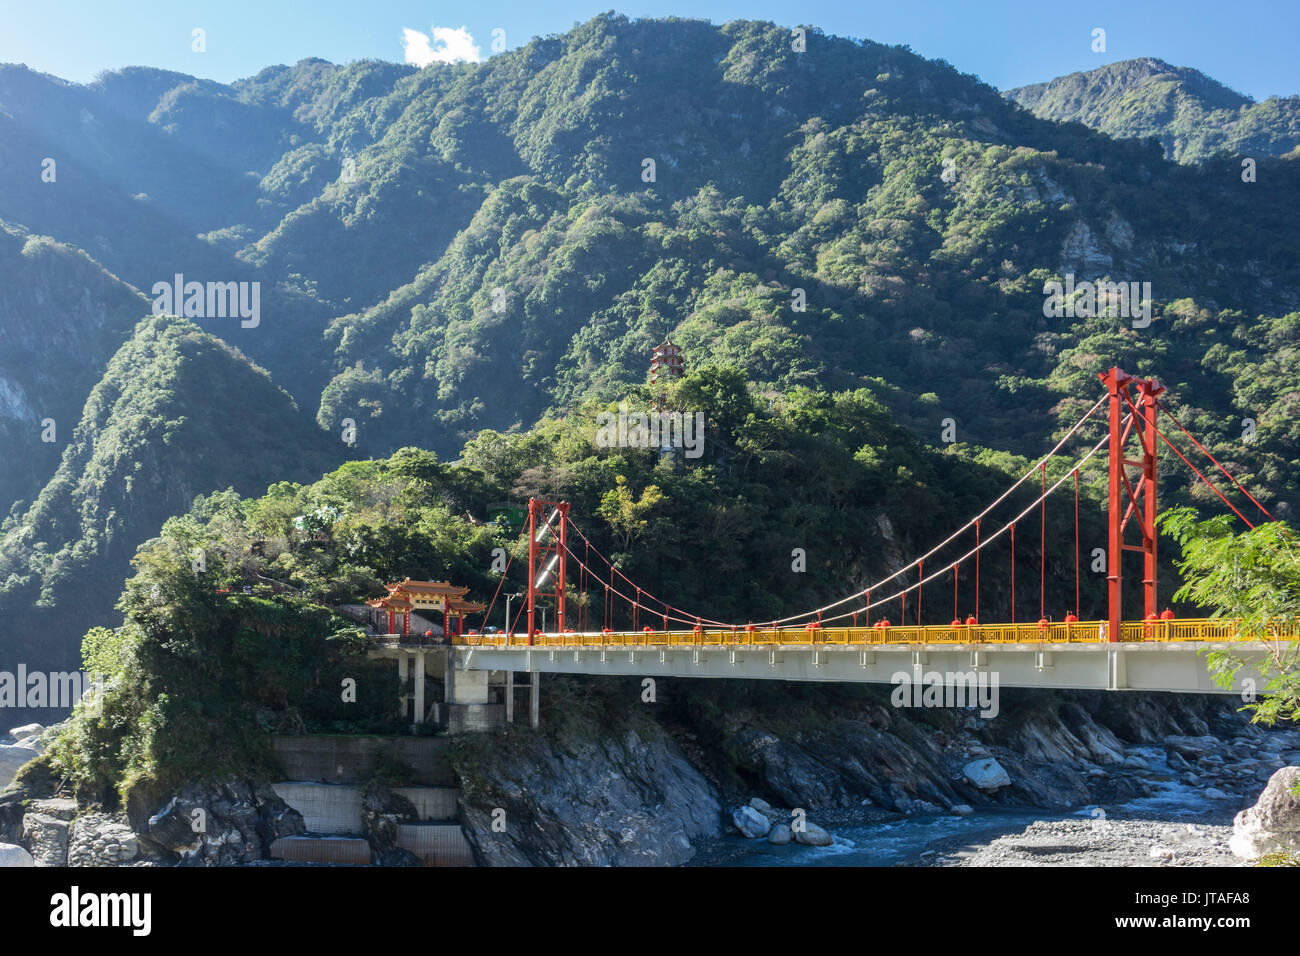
[(406, 596)]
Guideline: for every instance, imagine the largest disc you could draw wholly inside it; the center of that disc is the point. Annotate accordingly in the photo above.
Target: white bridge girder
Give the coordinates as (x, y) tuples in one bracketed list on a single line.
[(1174, 666)]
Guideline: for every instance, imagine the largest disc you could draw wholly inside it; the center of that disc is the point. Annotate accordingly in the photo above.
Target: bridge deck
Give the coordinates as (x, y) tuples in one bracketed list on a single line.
[(1080, 632), (1161, 656)]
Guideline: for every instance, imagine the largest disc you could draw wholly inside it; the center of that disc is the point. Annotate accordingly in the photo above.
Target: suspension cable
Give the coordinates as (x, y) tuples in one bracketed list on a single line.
[(1042, 547), (921, 571), (690, 618), (974, 552), (1013, 572), (1199, 474), (1207, 454), (954, 591), (1213, 486), (1076, 542), (976, 522), (510, 556)]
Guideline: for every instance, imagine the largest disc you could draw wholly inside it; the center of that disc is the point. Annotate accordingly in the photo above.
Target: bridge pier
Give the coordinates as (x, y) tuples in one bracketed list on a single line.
[(404, 699), (469, 707), (419, 688), (534, 686)]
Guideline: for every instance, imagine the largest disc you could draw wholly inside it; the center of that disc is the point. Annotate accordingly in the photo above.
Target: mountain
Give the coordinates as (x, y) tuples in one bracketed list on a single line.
[(445, 252), (62, 316), (177, 413), (1193, 116)]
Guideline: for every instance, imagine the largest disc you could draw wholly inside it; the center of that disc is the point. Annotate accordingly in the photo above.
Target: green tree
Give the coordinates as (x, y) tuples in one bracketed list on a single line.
[(625, 513), (1253, 577)]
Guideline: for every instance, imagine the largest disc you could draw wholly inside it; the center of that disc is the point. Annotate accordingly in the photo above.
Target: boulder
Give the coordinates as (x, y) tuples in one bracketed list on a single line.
[(962, 810), (987, 774), (810, 834), (1272, 825), (61, 808), (780, 835), (1193, 748), (12, 757), (26, 730), (11, 855), (382, 814), (1176, 762), (759, 804), (214, 824), (750, 822), (1214, 793)]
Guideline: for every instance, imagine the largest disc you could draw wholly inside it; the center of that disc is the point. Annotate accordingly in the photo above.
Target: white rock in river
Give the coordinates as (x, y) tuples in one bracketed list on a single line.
[(11, 855), (780, 834), (11, 758), (987, 774), (962, 810), (750, 822), (1214, 793), (26, 730), (810, 834), (1273, 824), (759, 804)]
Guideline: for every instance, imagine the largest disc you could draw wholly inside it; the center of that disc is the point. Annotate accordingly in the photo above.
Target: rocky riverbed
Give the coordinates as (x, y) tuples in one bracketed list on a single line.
[(776, 775), (888, 786), (1093, 842)]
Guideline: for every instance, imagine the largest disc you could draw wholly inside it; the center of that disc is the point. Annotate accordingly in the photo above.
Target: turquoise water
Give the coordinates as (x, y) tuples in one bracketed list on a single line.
[(887, 844)]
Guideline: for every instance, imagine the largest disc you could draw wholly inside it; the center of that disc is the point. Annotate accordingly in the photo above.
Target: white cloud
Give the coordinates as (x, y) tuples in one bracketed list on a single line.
[(445, 46)]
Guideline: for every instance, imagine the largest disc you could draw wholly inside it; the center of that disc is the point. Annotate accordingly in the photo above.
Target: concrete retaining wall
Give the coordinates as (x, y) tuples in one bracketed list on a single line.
[(325, 807), (321, 850), (474, 718), (432, 803), (436, 844), (335, 808), (337, 759)]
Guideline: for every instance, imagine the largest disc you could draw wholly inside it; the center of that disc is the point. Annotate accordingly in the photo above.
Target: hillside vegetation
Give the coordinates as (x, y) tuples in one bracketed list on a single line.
[(1193, 116)]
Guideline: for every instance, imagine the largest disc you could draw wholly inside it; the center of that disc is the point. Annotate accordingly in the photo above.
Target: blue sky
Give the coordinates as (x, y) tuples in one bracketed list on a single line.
[(1247, 44)]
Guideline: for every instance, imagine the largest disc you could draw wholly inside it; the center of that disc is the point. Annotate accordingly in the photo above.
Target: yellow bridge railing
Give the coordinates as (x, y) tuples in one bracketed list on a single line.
[(1080, 632)]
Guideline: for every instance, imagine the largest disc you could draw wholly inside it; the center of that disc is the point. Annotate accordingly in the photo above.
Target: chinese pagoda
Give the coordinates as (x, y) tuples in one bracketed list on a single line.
[(666, 361)]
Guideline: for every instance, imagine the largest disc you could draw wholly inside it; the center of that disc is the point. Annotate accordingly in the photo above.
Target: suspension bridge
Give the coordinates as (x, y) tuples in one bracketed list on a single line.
[(872, 634)]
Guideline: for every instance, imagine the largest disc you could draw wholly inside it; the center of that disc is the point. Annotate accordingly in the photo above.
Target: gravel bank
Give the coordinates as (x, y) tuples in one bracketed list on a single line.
[(1091, 843)]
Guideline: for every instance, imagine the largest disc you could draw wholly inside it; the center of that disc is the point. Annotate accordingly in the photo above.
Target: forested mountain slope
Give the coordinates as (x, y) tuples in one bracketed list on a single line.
[(62, 316), (1193, 116), (462, 247), (177, 413)]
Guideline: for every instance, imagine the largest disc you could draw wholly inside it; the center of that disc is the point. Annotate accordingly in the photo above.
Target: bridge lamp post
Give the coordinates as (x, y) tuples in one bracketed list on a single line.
[(509, 598)]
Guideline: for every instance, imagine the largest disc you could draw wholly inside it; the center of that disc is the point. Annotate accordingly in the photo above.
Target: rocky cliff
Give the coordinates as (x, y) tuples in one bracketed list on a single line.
[(644, 783), (610, 779)]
